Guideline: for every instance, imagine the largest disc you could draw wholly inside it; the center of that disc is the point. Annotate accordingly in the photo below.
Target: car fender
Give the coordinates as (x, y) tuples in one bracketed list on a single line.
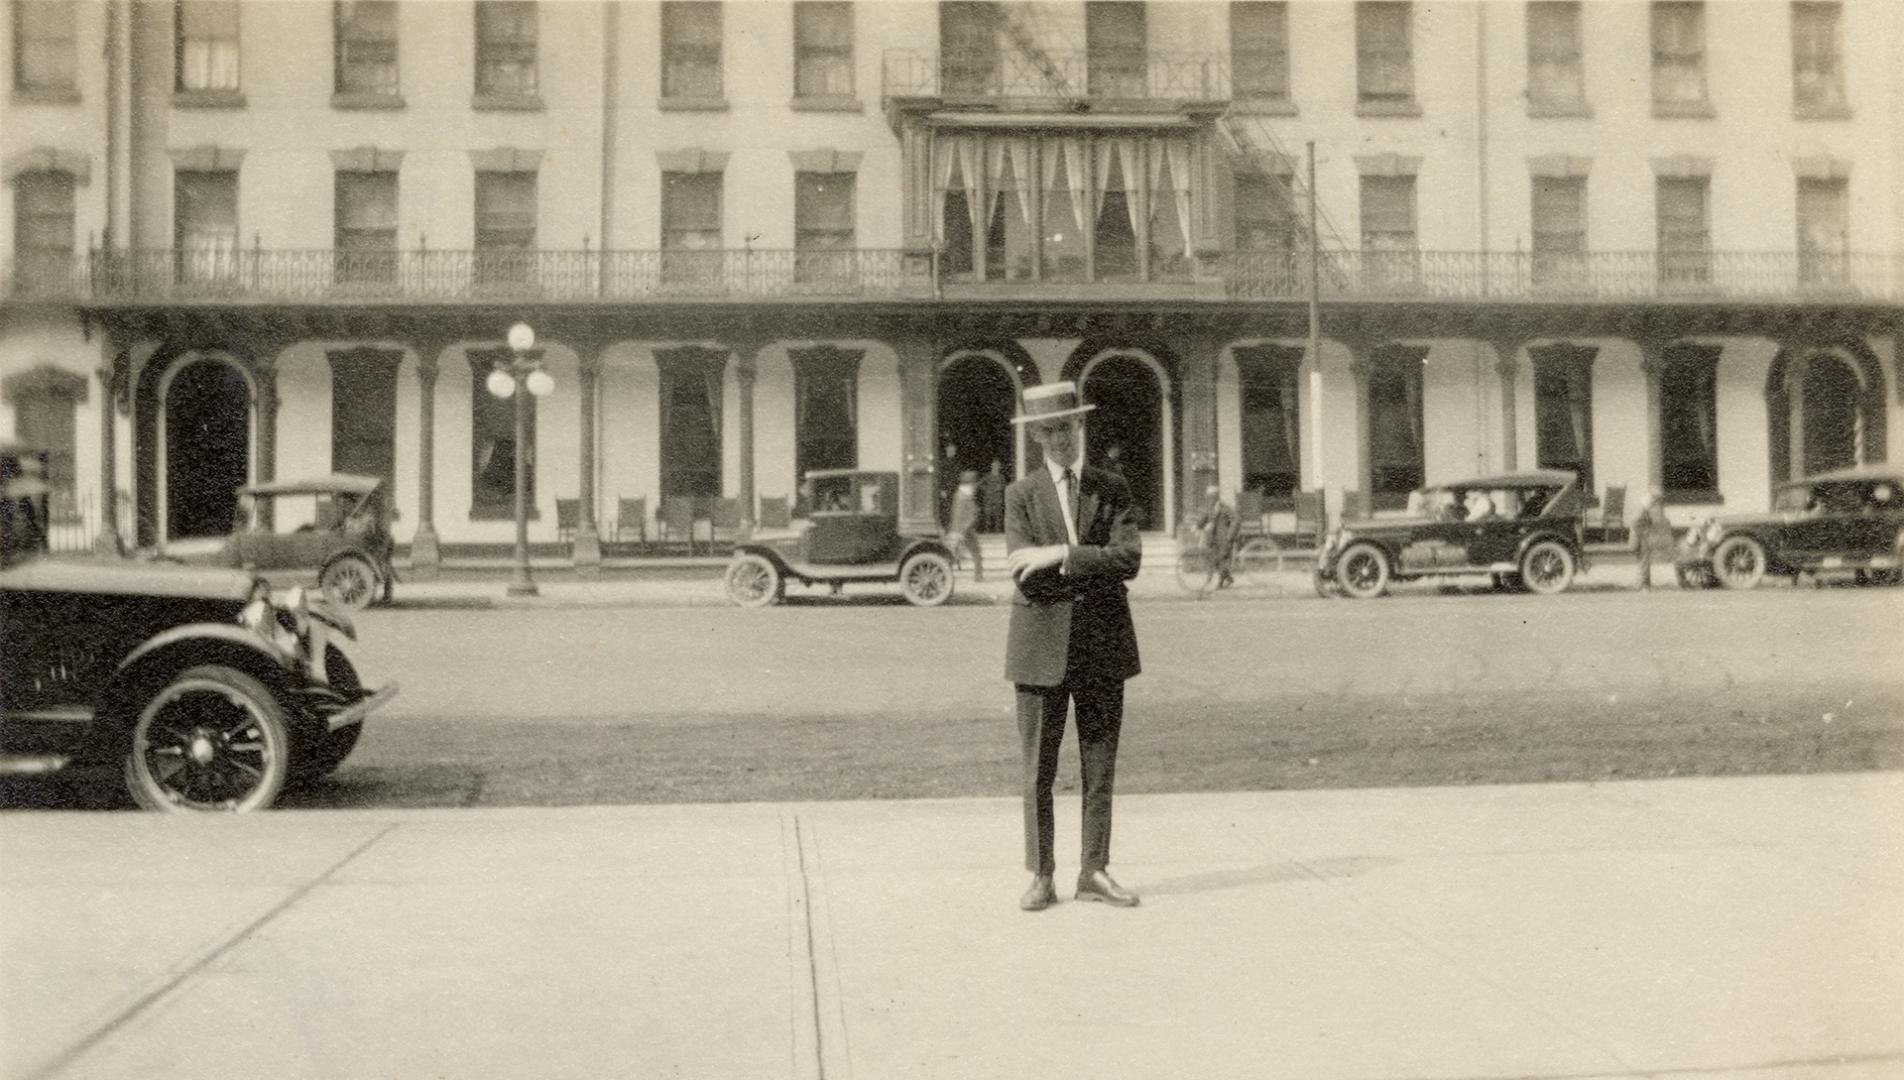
[(1566, 540), (173, 651), (381, 566), (925, 543), (768, 553), (1774, 552), (222, 637)]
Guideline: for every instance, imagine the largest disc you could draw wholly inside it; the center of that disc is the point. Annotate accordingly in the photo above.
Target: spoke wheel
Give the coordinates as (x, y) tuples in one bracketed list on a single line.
[(1547, 568), (1362, 571), (753, 581), (1195, 571), (212, 739), (926, 579), (1259, 562), (1739, 562), (350, 583)]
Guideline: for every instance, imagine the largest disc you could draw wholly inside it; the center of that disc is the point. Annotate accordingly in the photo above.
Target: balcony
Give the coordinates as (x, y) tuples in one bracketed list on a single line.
[(1055, 81), (268, 276)]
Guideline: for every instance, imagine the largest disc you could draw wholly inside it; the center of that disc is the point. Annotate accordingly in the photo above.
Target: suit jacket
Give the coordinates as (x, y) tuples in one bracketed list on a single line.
[(1072, 623)]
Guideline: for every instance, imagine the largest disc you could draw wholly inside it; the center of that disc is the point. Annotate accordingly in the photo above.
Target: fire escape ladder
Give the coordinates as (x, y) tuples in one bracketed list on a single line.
[(1252, 142), (1026, 32)]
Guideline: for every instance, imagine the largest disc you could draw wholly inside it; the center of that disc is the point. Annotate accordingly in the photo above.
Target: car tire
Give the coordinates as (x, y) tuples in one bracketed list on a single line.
[(753, 581), (1738, 562), (1362, 571), (213, 738), (1547, 568), (322, 750), (926, 579), (351, 583)]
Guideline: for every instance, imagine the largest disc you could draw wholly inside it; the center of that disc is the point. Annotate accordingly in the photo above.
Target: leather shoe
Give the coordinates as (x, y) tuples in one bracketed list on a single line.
[(1040, 896), (1097, 885)]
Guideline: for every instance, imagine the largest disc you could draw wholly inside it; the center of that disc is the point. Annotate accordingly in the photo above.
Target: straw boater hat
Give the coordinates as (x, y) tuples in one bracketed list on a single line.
[(1051, 401)]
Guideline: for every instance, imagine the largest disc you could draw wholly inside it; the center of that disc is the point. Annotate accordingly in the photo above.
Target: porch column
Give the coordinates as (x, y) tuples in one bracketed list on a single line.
[(745, 350), (425, 557), (918, 426), (266, 372), (106, 541), (586, 549), (1361, 360), (1507, 365), (1795, 395), (1199, 421)]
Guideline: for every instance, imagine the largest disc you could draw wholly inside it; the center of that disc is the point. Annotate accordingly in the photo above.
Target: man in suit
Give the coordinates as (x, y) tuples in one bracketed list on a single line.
[(1071, 544)]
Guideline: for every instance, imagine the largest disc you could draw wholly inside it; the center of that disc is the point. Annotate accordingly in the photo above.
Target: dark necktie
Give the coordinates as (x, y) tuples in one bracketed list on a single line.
[(1070, 499)]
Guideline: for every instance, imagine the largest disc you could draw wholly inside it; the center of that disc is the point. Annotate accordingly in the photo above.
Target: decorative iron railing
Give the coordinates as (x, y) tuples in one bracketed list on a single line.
[(1013, 73), (261, 275)]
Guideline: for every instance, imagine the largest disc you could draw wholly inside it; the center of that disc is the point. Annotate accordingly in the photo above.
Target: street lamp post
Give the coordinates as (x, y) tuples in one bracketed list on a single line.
[(520, 377)]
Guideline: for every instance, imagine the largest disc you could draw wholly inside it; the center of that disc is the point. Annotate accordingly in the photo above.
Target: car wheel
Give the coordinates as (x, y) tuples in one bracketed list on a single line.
[(926, 579), (350, 583), (754, 581), (1259, 562), (214, 738), (322, 750), (1362, 571), (1547, 568), (1738, 562)]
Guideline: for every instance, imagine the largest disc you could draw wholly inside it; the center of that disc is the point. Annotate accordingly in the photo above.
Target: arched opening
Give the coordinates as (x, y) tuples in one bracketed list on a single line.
[(1132, 430), (1824, 409), (1830, 415), (206, 452), (978, 395)]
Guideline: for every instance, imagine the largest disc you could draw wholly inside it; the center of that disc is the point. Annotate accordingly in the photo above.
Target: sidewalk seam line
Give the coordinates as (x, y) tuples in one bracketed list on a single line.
[(129, 1013), (813, 973)]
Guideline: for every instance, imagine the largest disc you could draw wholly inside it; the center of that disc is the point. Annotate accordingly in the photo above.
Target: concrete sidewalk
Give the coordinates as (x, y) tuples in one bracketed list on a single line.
[(1739, 928)]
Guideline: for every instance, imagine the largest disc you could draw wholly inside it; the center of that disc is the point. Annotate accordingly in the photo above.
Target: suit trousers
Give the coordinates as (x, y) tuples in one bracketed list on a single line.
[(1041, 718)]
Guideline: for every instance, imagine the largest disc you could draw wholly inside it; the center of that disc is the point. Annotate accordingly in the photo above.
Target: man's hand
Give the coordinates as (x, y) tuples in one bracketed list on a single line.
[(1027, 559)]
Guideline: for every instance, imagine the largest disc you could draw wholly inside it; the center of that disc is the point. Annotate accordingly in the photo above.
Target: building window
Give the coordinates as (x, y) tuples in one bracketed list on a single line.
[(691, 228), (1560, 230), (1115, 49), (1011, 187), (1688, 423), (968, 47), (1563, 411), (45, 49), (823, 238), (1259, 50), (691, 388), (826, 409), (366, 223), (1384, 55), (45, 402), (1818, 88), (506, 49), (206, 50), (42, 230), (1556, 81), (823, 49), (1169, 198), (492, 473), (364, 415), (1388, 229), (691, 49), (1396, 461), (1824, 232), (1685, 239), (205, 225), (505, 227), (1067, 196), (1119, 202), (366, 48), (1265, 213), (1679, 58), (1272, 420)]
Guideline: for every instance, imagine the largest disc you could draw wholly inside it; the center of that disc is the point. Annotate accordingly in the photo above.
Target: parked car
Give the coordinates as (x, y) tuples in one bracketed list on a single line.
[(324, 531), (850, 535), (1846, 522), (1522, 528), (199, 688)]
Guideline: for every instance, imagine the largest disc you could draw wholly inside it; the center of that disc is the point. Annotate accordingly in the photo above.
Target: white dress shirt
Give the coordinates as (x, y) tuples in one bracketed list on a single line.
[(1070, 511)]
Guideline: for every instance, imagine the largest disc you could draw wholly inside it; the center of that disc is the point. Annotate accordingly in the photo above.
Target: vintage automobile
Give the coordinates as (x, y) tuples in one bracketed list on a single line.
[(323, 531), (1847, 522), (193, 685), (1523, 529), (850, 535)]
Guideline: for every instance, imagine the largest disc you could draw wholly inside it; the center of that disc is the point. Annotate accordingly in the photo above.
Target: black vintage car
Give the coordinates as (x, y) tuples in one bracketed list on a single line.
[(1849, 522), (193, 684), (327, 532), (850, 535), (1522, 528)]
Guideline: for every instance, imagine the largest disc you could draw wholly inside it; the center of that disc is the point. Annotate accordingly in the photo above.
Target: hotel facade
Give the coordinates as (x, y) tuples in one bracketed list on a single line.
[(1656, 243)]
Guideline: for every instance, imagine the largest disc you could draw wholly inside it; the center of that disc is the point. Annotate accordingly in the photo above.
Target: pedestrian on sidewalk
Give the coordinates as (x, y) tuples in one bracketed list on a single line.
[(1652, 537), (991, 500), (1216, 529), (961, 533), (1072, 544)]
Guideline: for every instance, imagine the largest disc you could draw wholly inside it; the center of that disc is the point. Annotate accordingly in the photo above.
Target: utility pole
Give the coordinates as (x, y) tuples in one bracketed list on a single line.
[(1315, 335)]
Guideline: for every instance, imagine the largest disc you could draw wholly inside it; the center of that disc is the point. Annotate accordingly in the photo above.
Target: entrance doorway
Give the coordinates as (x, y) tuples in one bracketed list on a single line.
[(1130, 431), (978, 395), (1831, 415), (207, 448)]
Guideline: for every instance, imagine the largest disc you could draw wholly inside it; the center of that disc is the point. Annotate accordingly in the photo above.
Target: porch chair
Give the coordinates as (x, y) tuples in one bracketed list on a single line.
[(631, 515), (677, 519), (568, 517), (1355, 504), (724, 518), (1252, 517), (1311, 522), (1610, 526), (774, 513)]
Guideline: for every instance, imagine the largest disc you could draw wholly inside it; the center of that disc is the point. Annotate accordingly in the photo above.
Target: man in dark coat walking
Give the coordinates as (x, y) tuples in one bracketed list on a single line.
[(1071, 545)]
